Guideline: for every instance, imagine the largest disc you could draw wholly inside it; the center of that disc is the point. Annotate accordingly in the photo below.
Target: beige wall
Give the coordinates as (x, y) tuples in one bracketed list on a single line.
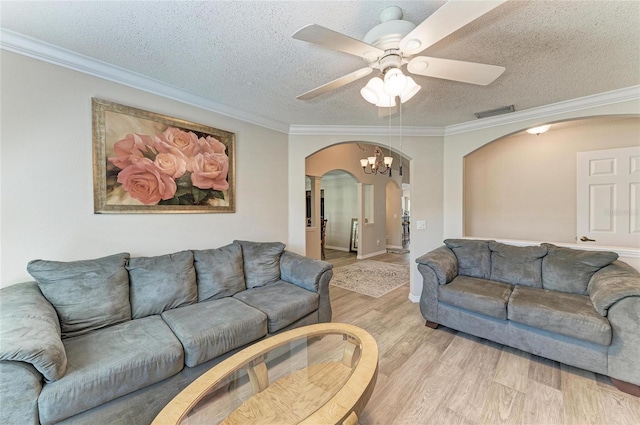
[(340, 206), (47, 183), (394, 215), (523, 186)]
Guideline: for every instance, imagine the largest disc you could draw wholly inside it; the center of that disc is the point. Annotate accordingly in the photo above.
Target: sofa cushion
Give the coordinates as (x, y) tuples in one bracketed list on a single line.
[(109, 363), (474, 257), (161, 283), (261, 262), (567, 314), (479, 295), (282, 302), (517, 265), (219, 272), (569, 270), (209, 329), (87, 294)]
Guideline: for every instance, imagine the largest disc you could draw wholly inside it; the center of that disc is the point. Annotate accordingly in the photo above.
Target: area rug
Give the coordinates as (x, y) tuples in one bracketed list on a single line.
[(372, 278)]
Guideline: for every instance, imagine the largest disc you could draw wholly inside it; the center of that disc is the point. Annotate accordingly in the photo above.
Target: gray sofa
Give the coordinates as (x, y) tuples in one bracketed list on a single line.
[(577, 307), (112, 340)]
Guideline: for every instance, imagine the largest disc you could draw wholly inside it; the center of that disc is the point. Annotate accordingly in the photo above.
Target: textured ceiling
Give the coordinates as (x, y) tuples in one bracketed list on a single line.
[(241, 54)]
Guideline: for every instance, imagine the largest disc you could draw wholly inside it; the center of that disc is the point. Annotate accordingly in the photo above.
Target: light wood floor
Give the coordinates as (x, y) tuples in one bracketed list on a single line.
[(445, 377)]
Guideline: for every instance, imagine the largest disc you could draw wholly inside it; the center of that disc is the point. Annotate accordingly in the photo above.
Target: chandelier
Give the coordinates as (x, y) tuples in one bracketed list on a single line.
[(378, 163)]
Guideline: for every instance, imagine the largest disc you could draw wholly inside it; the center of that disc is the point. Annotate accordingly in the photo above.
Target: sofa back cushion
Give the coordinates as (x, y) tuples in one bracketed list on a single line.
[(261, 262), (474, 257), (219, 272), (161, 283), (517, 265), (86, 294), (569, 270)]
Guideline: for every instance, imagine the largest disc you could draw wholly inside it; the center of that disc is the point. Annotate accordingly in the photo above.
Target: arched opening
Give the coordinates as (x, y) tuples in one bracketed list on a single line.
[(336, 175), (524, 186)]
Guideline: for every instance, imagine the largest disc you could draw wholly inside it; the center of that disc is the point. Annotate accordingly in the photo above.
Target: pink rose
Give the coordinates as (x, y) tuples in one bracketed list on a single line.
[(211, 145), (144, 182), (130, 149), (171, 165), (163, 146), (210, 171), (187, 143)]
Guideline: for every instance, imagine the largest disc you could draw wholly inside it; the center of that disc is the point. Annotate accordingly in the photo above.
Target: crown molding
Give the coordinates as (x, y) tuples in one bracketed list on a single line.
[(36, 49), (546, 111), (363, 130)]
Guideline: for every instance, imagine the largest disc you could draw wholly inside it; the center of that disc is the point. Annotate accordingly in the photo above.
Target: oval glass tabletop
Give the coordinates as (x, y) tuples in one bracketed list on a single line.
[(321, 374)]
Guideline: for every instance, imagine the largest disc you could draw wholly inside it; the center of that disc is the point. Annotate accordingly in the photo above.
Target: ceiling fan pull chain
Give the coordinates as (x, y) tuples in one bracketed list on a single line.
[(400, 168)]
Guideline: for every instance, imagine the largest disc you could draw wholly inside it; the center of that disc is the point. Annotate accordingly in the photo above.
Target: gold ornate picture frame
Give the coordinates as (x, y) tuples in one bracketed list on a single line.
[(145, 162)]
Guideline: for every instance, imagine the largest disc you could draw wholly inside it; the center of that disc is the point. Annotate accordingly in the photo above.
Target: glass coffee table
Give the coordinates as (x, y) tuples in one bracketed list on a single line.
[(318, 374)]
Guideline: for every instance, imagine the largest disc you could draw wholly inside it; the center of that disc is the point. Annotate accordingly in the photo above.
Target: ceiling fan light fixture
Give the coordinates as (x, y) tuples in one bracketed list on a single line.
[(385, 101), (395, 82), (372, 91), (410, 91)]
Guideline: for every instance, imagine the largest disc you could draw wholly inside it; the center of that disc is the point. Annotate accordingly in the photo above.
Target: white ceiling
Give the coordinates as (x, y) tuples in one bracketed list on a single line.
[(240, 53)]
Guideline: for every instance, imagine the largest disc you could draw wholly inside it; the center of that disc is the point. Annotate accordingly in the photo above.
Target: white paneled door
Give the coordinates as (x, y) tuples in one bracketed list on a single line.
[(608, 197)]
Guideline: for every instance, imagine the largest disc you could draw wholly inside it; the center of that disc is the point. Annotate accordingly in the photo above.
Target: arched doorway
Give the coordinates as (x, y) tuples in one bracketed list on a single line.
[(369, 196), (523, 186)]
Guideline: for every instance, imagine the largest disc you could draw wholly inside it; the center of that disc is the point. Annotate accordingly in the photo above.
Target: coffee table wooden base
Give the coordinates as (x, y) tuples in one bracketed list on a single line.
[(343, 387), (290, 399)]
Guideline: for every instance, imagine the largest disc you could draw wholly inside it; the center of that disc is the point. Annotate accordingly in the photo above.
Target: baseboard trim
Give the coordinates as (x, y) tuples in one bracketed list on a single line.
[(337, 248), (373, 254), (394, 247), (414, 298)]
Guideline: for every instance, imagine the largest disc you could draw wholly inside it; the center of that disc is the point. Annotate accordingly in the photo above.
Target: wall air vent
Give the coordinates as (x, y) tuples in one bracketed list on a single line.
[(494, 112)]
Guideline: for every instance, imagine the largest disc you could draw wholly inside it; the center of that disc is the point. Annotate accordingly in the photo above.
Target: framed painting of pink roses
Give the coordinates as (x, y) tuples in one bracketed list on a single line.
[(150, 163)]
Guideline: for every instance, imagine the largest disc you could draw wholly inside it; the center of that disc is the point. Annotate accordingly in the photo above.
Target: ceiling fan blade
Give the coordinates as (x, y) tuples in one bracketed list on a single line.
[(339, 82), (452, 16), (325, 37), (448, 69)]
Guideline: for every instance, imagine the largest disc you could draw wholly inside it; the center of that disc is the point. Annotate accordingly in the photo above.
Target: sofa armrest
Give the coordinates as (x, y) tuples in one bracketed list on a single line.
[(443, 262), (20, 387), (303, 271), (310, 274), (30, 330), (623, 360), (611, 284)]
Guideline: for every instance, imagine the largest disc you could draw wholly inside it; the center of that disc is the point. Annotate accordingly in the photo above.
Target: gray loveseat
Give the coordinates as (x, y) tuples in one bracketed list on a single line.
[(112, 340), (577, 307)]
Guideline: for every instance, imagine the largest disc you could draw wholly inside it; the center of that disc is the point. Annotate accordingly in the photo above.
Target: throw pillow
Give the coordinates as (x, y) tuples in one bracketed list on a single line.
[(261, 262), (219, 272), (87, 294), (517, 265), (161, 283), (474, 257), (570, 270)]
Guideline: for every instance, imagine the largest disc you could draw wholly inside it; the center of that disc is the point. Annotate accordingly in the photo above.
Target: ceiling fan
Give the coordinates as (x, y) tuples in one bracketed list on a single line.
[(396, 42)]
